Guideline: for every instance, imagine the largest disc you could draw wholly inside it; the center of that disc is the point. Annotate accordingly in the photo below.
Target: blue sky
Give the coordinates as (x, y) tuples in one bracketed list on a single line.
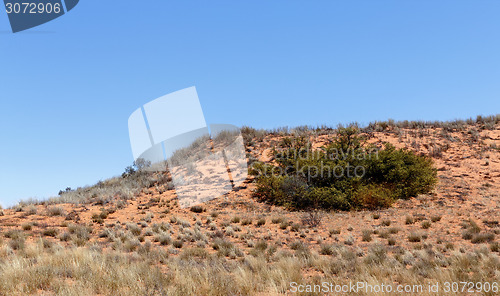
[(68, 87)]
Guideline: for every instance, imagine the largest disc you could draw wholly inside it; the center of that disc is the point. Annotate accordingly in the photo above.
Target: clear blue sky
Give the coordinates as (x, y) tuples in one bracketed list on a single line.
[(68, 87)]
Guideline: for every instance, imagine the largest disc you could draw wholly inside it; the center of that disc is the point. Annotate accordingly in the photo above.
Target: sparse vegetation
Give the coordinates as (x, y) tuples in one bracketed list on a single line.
[(334, 231), (134, 229), (436, 218), (312, 218), (197, 209), (349, 240), (94, 244), (414, 237), (295, 227), (87, 271), (277, 220), (50, 232), (261, 222), (55, 211), (426, 224), (482, 238), (367, 235), (327, 250), (386, 223), (177, 244), (164, 239)]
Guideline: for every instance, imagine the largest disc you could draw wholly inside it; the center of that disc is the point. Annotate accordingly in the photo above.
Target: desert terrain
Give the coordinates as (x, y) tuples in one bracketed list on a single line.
[(128, 236)]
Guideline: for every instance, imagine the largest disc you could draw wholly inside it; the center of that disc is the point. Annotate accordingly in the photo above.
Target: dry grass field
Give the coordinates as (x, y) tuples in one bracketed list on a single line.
[(128, 236)]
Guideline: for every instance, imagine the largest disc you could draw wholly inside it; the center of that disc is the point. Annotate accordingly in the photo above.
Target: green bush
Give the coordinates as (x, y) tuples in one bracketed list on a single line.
[(346, 174), (374, 196), (408, 173), (328, 198)]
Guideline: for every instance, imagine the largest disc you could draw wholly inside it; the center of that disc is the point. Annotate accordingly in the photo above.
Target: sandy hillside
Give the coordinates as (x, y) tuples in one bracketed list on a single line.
[(468, 163)]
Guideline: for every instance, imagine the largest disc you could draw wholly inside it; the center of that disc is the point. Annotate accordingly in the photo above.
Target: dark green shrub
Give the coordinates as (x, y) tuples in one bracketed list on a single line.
[(287, 191), (346, 174), (374, 196), (406, 172)]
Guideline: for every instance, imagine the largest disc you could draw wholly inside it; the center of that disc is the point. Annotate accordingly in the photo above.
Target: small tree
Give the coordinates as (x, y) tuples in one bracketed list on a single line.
[(141, 164)]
